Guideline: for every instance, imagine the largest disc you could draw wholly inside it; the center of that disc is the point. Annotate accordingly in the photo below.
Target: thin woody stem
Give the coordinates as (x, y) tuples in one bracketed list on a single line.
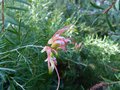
[(14, 50), (58, 78), (2, 15), (113, 3), (116, 82)]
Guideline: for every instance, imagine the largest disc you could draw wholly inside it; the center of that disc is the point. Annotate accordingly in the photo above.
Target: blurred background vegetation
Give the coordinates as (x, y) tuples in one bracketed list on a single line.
[(29, 24)]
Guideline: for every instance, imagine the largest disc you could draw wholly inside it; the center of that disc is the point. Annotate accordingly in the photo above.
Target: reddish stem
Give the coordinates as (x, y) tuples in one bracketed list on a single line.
[(2, 15), (58, 78), (113, 3)]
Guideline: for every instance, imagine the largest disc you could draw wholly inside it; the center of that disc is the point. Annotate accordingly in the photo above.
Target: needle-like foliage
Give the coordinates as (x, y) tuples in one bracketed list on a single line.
[(92, 60)]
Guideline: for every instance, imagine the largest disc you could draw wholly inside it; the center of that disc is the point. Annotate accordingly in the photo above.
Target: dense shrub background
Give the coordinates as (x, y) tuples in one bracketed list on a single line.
[(29, 24)]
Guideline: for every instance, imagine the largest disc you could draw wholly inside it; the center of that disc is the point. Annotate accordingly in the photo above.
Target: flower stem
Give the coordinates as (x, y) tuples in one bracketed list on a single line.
[(58, 77)]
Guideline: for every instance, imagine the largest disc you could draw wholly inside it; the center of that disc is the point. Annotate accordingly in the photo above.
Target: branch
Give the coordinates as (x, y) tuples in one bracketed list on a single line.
[(113, 3), (2, 15), (16, 49), (115, 82), (103, 85)]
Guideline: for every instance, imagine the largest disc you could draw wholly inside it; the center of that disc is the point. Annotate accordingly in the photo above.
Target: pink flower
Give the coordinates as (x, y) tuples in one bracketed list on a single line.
[(50, 58), (58, 33), (51, 61), (59, 42)]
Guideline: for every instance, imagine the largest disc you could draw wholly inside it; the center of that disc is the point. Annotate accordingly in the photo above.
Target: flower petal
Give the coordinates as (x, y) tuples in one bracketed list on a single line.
[(52, 66)]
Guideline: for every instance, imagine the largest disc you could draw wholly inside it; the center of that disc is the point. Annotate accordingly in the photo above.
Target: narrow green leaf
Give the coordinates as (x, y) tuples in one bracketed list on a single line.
[(4, 62), (11, 87), (7, 69), (17, 8), (13, 31), (9, 19), (2, 45), (109, 24), (33, 78), (2, 76), (9, 40), (96, 6)]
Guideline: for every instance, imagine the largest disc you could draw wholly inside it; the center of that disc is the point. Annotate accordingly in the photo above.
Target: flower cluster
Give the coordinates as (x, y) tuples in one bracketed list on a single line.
[(56, 42)]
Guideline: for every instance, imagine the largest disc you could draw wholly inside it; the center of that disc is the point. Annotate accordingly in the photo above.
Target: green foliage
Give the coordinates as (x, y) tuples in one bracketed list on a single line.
[(29, 24)]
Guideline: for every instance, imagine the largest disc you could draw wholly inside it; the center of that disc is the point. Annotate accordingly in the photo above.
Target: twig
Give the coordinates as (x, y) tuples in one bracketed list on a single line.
[(113, 69), (115, 82), (18, 84), (58, 78), (34, 78), (2, 15), (13, 50), (113, 3), (103, 85), (20, 54)]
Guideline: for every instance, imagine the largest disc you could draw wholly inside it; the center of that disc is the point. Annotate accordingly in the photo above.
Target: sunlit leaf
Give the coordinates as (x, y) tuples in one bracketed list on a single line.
[(7, 69), (96, 6), (17, 8)]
